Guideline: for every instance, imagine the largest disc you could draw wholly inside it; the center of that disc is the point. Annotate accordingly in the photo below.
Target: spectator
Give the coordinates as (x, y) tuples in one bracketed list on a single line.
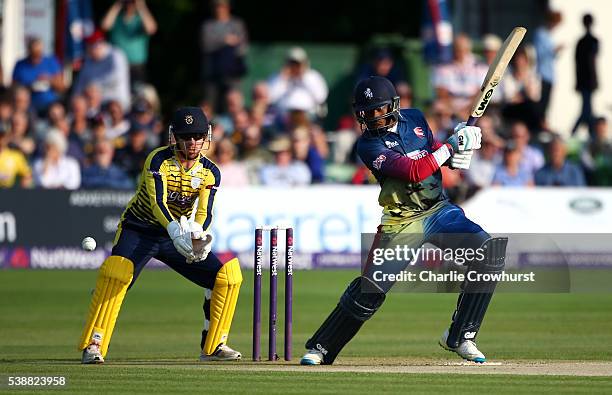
[(41, 74), (558, 171), (297, 85), (304, 150), (102, 173), (13, 163), (484, 162), (251, 148), (93, 100), (234, 103), (546, 52), (586, 73), (22, 103), (286, 171), (6, 110), (490, 45), (404, 91), (55, 170), (458, 81), (224, 42), (19, 136), (596, 156), (234, 173), (130, 23), (144, 117), (299, 119), (383, 64), (509, 172), (521, 91), (132, 157), (107, 67), (117, 123), (80, 131), (531, 158)]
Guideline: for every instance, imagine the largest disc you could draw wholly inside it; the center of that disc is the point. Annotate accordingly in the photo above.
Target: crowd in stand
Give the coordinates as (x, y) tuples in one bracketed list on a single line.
[(97, 131)]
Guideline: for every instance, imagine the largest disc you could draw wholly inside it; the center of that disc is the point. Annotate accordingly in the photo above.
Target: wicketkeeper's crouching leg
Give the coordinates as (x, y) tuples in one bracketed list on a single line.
[(219, 307), (114, 278), (356, 306)]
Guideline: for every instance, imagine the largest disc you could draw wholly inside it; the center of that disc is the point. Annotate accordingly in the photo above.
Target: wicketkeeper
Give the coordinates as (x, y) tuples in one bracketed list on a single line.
[(176, 181), (399, 148)]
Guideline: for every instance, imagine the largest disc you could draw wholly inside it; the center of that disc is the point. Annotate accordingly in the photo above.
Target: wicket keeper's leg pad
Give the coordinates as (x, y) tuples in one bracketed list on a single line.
[(354, 308), (114, 278), (476, 295), (223, 304)]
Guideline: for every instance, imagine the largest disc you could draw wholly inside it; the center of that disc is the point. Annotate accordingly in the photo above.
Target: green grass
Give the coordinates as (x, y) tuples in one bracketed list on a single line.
[(157, 336)]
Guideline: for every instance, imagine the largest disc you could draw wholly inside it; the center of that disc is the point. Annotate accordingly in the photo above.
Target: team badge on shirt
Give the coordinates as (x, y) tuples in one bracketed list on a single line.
[(377, 163), (195, 182), (419, 131)]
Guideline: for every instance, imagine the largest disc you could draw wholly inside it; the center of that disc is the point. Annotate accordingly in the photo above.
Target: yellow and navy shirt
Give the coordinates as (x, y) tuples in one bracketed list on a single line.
[(167, 191), (12, 164)]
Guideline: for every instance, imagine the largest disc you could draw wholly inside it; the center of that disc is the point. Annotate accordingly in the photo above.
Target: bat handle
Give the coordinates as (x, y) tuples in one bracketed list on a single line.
[(471, 121)]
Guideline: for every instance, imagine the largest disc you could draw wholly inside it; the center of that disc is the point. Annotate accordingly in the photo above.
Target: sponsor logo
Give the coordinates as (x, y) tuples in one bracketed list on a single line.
[(469, 335), (195, 182), (189, 119), (368, 93), (419, 132), (417, 154), (97, 336), (321, 349), (391, 144), (485, 100), (583, 205), (181, 200), (8, 227), (377, 163)]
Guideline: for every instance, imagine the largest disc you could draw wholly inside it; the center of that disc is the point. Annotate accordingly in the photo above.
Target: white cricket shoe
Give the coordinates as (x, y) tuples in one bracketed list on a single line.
[(222, 353), (312, 357), (92, 354), (466, 350)]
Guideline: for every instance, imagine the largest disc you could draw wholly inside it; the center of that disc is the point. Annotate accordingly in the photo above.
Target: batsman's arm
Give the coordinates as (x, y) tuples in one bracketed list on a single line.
[(203, 214), (157, 188)]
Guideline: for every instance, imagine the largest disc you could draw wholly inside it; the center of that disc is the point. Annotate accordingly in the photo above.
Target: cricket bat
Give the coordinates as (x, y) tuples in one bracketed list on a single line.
[(495, 73)]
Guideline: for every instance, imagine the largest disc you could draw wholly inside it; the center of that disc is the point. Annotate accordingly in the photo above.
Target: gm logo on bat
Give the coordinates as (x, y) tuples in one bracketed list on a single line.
[(485, 100)]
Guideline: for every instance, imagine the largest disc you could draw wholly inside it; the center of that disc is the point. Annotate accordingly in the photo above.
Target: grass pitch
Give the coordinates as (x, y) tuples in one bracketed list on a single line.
[(156, 341)]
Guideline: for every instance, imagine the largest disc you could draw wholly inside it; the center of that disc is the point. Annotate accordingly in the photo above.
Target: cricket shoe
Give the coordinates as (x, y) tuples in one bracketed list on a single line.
[(92, 354), (466, 350), (312, 357), (222, 353)]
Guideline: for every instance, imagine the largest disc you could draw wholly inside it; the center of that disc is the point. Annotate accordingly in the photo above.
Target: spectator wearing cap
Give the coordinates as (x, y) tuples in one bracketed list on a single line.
[(13, 163), (143, 117), (298, 86), (490, 45), (285, 171), (102, 173), (41, 74), (224, 43), (510, 173), (129, 24), (55, 170), (133, 155), (107, 67), (558, 171)]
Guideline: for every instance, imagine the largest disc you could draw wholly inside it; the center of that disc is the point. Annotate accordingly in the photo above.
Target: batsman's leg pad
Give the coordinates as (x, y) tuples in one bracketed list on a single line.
[(475, 296), (222, 305), (114, 278), (354, 308)]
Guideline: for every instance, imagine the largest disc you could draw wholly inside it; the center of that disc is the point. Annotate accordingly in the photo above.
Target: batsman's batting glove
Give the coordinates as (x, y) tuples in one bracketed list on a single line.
[(180, 239), (465, 138), (461, 160)]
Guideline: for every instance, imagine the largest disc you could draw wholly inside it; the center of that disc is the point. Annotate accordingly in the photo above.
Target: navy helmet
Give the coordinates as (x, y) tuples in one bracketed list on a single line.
[(374, 93), (189, 120)]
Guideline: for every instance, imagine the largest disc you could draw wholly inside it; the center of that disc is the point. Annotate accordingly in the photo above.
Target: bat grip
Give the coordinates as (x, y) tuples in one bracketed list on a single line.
[(471, 121)]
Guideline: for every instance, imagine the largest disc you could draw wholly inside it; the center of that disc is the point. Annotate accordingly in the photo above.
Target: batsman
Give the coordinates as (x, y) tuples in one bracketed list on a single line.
[(177, 181), (399, 148)]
